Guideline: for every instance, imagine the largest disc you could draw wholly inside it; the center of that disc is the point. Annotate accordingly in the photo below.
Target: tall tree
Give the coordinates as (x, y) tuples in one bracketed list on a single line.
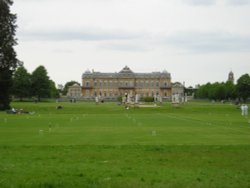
[(243, 87), (54, 93), (8, 60), (40, 83), (21, 83), (230, 90)]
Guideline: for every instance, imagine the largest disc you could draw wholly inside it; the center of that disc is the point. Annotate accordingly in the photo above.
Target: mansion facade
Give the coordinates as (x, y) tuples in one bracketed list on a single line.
[(113, 85)]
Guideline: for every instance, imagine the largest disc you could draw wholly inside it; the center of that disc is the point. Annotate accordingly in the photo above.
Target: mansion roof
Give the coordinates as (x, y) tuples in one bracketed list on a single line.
[(126, 72)]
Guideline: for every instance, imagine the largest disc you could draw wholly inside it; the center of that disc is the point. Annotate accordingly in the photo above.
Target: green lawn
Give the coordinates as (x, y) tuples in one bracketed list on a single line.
[(86, 145)]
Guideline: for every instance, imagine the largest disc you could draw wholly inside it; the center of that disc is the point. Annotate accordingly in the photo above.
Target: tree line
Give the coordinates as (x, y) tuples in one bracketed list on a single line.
[(226, 90), (37, 84)]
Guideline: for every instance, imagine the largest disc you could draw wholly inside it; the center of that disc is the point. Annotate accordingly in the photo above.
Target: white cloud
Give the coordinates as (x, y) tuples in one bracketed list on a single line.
[(209, 42), (187, 37), (84, 34), (199, 2), (216, 2), (238, 2)]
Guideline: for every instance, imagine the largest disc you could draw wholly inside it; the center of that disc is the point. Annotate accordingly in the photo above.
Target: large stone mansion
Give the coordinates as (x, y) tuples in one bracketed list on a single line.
[(112, 85)]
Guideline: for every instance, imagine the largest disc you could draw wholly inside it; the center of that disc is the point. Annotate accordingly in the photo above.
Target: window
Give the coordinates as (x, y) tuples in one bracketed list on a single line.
[(141, 84), (87, 93)]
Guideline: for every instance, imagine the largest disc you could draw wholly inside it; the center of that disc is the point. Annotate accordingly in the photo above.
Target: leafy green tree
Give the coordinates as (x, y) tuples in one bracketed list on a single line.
[(230, 90), (216, 91), (54, 93), (21, 83), (40, 83), (243, 87), (8, 60), (66, 87), (203, 91)]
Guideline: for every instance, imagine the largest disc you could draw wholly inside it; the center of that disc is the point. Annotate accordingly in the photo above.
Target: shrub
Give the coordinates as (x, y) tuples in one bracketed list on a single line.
[(147, 99), (119, 99)]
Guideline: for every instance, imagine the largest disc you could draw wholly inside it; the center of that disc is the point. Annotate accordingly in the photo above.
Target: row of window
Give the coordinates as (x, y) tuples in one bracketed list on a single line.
[(125, 84), (116, 94)]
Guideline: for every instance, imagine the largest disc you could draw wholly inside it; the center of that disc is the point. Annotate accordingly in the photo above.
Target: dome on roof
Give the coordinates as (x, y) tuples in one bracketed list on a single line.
[(126, 69), (164, 71), (87, 72), (75, 84)]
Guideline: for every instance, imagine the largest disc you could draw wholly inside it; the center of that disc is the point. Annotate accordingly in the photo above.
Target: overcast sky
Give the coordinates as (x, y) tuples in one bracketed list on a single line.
[(197, 41)]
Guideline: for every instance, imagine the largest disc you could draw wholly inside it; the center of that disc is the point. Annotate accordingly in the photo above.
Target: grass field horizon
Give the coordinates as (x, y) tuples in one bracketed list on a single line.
[(199, 144)]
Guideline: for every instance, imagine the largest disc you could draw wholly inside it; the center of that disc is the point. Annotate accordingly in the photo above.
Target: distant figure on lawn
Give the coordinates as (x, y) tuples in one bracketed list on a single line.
[(59, 107), (244, 110), (17, 111), (96, 100)]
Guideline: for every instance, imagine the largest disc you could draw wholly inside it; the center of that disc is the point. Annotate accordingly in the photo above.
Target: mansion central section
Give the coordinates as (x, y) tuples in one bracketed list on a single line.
[(112, 85)]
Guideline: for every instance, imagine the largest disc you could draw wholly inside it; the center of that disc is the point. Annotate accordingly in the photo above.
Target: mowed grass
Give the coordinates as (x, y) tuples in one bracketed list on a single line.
[(198, 144)]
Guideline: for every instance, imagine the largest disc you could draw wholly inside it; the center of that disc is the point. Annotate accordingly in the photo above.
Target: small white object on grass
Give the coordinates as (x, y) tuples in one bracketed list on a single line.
[(40, 132), (107, 179), (153, 133)]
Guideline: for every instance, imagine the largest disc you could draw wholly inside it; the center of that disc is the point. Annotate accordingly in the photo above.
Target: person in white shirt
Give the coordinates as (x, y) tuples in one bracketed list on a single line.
[(242, 107)]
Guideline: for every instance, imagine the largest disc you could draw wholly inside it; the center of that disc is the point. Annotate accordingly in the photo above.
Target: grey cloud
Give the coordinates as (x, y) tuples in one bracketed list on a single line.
[(194, 42), (132, 46), (199, 2), (209, 42), (84, 35), (62, 51), (214, 2), (238, 2)]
